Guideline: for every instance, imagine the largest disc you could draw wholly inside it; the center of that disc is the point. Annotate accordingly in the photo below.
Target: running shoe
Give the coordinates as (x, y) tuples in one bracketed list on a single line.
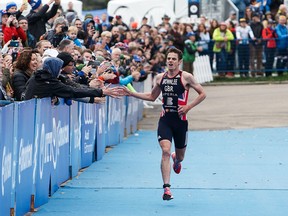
[(176, 166), (167, 194)]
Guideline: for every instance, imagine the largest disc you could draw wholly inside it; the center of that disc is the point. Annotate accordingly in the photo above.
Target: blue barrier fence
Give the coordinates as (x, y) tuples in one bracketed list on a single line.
[(42, 146)]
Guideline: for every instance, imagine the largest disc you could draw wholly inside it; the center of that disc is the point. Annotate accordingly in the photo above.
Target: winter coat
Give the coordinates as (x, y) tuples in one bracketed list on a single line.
[(10, 32), (219, 39), (37, 20), (19, 81), (190, 48), (282, 33)]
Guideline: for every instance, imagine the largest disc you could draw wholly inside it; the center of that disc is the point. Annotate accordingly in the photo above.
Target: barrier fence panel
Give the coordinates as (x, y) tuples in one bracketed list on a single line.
[(24, 149), (44, 152), (42, 145), (101, 123), (88, 131), (61, 130), (114, 113), (6, 154), (139, 87), (128, 120), (75, 140)]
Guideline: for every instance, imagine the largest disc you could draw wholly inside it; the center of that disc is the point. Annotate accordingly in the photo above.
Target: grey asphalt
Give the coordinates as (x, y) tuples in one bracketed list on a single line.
[(233, 107)]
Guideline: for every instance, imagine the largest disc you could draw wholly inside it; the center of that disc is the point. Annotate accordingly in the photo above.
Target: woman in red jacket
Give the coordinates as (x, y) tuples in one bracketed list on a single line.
[(269, 35), (11, 28)]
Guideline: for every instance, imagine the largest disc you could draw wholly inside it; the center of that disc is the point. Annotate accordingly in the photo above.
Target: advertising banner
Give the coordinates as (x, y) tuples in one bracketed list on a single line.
[(88, 131), (6, 155), (128, 121), (61, 130), (114, 112), (45, 152), (101, 127), (75, 139), (24, 118)]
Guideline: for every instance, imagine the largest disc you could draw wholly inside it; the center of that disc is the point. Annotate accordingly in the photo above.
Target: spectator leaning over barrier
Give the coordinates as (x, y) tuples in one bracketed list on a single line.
[(243, 33), (67, 77), (45, 83), (25, 66), (222, 37), (38, 16), (282, 44), (256, 47), (269, 35)]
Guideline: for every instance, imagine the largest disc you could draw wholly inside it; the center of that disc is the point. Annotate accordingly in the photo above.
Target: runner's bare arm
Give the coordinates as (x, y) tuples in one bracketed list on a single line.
[(190, 82), (149, 96)]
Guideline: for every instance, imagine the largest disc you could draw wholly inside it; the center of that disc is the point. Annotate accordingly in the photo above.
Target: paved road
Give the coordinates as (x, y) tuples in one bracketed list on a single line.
[(234, 107)]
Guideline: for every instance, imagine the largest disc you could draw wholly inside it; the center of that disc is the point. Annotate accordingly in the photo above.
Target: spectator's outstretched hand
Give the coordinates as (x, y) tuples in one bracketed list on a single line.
[(115, 92)]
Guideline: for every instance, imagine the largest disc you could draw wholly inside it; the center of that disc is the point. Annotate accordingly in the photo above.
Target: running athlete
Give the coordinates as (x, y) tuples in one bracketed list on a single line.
[(174, 85)]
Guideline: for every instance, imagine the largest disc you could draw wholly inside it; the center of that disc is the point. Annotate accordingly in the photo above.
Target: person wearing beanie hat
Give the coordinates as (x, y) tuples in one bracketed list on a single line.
[(67, 60), (39, 15), (45, 83), (12, 6)]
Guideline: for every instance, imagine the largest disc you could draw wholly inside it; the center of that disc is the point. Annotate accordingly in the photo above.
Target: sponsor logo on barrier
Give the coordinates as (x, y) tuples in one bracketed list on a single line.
[(135, 106), (88, 114), (101, 120), (25, 158), (87, 147), (77, 136), (6, 168), (114, 115), (49, 144)]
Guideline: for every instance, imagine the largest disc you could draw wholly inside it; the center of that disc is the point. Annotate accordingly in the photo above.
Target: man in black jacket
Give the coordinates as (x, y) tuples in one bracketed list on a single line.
[(38, 16), (45, 83)]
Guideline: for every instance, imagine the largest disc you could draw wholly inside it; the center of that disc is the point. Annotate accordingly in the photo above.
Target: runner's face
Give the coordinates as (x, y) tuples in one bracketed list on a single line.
[(172, 61)]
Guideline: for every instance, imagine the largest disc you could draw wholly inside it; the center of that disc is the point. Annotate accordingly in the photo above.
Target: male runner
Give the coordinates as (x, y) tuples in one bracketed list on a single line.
[(174, 85)]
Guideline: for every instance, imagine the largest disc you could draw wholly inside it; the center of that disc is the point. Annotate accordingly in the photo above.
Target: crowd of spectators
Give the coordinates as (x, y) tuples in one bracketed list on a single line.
[(50, 45)]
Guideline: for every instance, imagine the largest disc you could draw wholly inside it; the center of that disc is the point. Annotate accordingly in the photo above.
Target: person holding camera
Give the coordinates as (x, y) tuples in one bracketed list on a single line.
[(58, 32), (11, 28)]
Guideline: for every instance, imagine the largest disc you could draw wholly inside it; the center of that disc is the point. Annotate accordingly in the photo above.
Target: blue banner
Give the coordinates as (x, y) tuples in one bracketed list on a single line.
[(75, 139), (88, 131), (101, 127), (122, 118), (44, 151), (6, 155), (134, 117), (60, 129), (128, 120), (114, 113), (24, 118)]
